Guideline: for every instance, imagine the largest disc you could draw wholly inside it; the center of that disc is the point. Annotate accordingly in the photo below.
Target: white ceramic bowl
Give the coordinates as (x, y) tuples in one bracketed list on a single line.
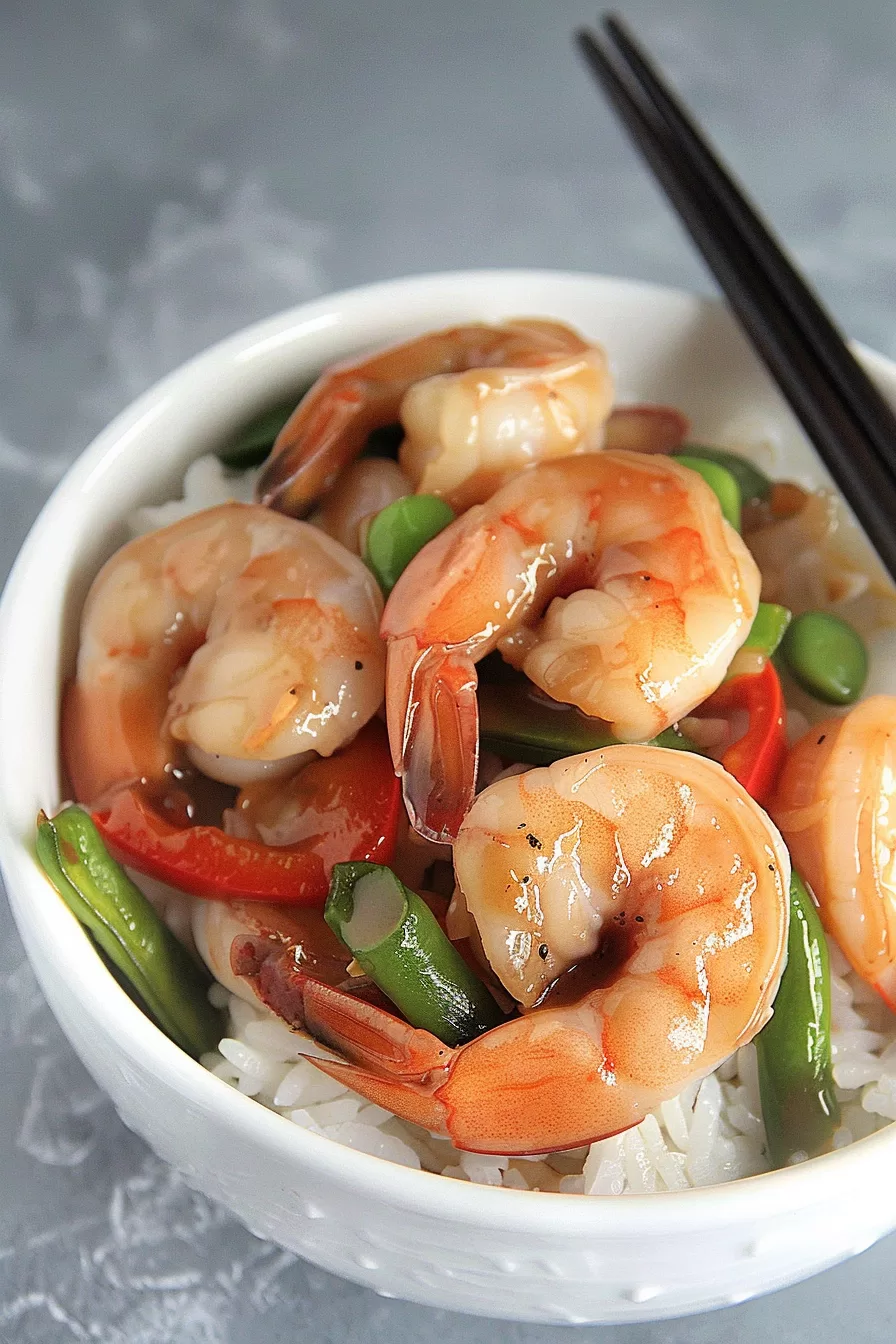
[(519, 1255)]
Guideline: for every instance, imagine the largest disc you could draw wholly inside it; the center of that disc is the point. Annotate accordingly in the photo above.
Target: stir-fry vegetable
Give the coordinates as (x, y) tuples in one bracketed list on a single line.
[(397, 941), (753, 483), (720, 480), (520, 723), (399, 531), (768, 629), (796, 1084), (756, 759), (355, 791), (145, 951), (255, 441), (826, 657)]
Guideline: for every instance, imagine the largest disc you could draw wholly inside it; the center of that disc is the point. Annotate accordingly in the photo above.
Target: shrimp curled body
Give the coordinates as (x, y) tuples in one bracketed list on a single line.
[(244, 637), (612, 580), (634, 902), (836, 807), (466, 433), (476, 402)]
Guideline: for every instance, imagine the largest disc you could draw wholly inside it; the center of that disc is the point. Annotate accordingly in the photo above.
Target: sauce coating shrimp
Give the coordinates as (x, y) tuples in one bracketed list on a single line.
[(612, 580), (836, 807), (466, 433), (538, 382), (361, 491), (238, 635), (634, 901), (314, 949)]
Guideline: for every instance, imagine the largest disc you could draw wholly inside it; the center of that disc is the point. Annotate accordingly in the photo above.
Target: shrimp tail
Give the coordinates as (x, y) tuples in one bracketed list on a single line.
[(325, 433), (383, 1058), (408, 1100), (528, 1086), (434, 729)]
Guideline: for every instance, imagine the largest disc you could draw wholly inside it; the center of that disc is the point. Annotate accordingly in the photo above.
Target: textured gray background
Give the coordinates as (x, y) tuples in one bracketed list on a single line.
[(171, 171)]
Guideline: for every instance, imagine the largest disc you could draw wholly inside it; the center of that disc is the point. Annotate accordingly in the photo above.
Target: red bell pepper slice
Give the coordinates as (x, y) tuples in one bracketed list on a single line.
[(756, 759), (355, 790)]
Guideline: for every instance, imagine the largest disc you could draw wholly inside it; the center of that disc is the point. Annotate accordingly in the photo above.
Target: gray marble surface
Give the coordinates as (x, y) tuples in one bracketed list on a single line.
[(172, 170)]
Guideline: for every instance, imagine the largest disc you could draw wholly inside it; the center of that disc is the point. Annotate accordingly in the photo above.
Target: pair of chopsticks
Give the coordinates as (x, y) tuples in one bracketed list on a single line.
[(842, 412)]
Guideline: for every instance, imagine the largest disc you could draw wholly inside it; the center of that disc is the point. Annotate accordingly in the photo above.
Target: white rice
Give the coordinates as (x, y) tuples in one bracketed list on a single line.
[(712, 1132), (207, 482)]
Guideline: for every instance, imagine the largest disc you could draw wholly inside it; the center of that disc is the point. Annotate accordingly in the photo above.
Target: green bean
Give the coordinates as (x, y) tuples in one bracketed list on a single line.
[(256, 439), (397, 941), (826, 656), (768, 629), (519, 723), (796, 1084), (125, 926), (721, 481), (753, 483), (399, 531)]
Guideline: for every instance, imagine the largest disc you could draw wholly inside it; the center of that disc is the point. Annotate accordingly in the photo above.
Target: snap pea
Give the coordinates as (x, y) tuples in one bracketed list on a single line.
[(796, 1085), (138, 944), (518, 722), (256, 439), (826, 657), (753, 483), (399, 531), (397, 941), (768, 629), (720, 480)]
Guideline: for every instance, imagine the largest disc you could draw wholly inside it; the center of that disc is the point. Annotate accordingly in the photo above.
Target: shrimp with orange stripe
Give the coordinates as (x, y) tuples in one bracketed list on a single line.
[(634, 905)]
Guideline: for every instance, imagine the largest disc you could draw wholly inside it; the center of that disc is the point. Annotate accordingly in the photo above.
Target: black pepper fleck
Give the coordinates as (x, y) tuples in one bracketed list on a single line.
[(359, 667), (639, 919), (821, 739), (533, 841), (543, 951)]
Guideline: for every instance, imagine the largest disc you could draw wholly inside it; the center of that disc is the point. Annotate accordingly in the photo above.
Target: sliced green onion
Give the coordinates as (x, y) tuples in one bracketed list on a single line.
[(253, 443), (399, 531), (796, 1083), (139, 945), (721, 482), (397, 941), (827, 657), (519, 723), (753, 483), (768, 629)]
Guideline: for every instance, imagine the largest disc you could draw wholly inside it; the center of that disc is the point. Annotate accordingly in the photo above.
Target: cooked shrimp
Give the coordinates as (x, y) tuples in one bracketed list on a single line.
[(611, 579), (238, 635), (646, 428), (332, 422), (361, 491), (466, 433), (634, 902), (836, 807), (314, 949)]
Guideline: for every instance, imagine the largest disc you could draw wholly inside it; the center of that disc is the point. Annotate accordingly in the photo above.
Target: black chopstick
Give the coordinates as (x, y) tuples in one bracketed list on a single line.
[(815, 323), (825, 408)]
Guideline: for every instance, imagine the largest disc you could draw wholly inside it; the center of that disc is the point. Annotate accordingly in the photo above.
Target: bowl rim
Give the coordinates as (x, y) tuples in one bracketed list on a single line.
[(833, 1174)]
